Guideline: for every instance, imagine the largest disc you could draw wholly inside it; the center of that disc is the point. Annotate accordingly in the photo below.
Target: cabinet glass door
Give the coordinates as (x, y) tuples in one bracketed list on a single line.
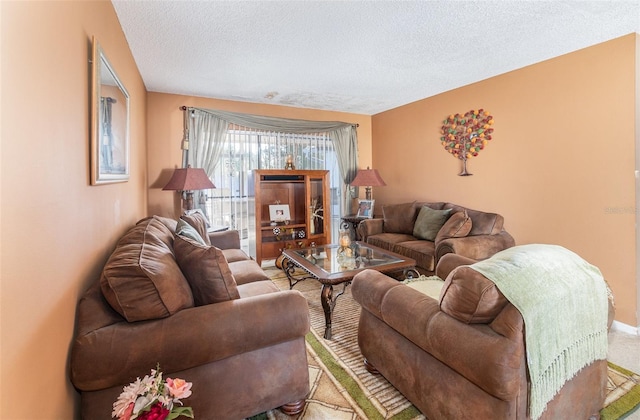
[(316, 209)]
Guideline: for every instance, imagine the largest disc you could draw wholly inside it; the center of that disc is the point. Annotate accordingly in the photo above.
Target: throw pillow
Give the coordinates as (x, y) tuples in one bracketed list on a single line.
[(206, 270), (199, 222), (457, 226), (429, 223), (470, 297), (399, 218), (141, 279), (185, 229)]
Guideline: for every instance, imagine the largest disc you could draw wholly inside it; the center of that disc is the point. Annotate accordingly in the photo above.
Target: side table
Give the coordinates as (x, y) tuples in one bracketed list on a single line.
[(351, 222)]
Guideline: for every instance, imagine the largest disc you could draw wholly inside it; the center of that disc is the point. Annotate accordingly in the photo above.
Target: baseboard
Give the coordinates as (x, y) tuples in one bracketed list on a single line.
[(622, 327)]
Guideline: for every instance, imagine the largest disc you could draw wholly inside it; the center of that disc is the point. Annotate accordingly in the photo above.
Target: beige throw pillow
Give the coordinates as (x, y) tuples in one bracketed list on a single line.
[(185, 229), (199, 223)]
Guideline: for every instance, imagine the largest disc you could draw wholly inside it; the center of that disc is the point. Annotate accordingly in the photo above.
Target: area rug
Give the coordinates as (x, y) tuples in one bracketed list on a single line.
[(341, 387)]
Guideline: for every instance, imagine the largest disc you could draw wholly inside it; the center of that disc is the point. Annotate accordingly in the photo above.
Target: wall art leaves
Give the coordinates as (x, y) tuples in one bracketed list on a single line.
[(464, 136)]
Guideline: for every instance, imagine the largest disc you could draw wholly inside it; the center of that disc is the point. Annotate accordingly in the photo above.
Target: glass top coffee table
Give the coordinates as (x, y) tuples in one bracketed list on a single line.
[(333, 264)]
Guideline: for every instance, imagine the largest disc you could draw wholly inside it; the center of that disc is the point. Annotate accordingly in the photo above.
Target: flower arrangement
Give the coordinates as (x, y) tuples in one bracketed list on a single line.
[(151, 398), (464, 136)]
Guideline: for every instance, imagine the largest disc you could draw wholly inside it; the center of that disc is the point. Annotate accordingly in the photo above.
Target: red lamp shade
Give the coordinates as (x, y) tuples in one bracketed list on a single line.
[(368, 178), (189, 179)]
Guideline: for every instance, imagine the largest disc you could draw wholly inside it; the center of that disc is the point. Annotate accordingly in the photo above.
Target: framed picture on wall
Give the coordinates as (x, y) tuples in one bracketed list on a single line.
[(109, 122), (279, 212), (365, 208)]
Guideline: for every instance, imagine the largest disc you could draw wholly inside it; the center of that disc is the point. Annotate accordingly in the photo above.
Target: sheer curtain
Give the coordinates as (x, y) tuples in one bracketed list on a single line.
[(205, 143), (346, 145), (216, 148)]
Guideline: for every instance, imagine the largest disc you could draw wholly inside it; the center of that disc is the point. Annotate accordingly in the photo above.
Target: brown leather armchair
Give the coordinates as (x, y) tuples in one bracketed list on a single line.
[(456, 370)]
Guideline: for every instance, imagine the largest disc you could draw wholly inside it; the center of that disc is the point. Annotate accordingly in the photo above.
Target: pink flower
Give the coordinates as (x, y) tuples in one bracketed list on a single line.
[(179, 388), (127, 413)]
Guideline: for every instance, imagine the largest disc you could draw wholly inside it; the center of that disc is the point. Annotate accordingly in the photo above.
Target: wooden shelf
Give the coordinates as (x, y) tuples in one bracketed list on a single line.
[(299, 190)]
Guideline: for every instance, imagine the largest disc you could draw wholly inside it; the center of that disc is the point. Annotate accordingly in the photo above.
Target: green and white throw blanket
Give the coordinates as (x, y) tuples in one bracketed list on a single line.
[(563, 300)]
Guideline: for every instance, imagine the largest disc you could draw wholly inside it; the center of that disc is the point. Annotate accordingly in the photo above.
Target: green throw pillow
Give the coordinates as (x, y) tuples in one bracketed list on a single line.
[(185, 229), (429, 222)]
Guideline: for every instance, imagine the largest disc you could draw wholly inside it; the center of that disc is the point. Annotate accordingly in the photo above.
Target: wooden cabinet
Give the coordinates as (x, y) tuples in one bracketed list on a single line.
[(304, 195)]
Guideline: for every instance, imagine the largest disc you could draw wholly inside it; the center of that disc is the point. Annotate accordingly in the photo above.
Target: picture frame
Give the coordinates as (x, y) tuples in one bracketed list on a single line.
[(109, 122), (365, 209), (279, 212)]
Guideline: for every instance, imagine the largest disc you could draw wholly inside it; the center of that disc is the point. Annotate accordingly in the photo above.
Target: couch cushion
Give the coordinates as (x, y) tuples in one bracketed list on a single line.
[(257, 288), (470, 297), (168, 222), (422, 251), (457, 226), (247, 271), (141, 280), (206, 270), (429, 222), (399, 218), (234, 254), (199, 222), (483, 223), (388, 240)]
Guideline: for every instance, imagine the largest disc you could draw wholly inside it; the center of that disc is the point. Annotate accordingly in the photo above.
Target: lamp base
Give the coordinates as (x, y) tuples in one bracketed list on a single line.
[(188, 201), (367, 192)]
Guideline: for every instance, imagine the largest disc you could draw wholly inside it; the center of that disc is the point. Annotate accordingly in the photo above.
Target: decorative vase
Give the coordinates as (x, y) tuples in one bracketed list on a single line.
[(345, 238), (464, 169)]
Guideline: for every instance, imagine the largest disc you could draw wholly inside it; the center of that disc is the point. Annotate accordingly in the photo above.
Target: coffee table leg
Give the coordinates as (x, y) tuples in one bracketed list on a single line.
[(329, 304), (326, 296)]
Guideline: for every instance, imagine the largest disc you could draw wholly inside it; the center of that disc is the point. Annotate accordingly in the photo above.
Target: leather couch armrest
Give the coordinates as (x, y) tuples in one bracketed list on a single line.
[(449, 261), (370, 227), (116, 354), (477, 247), (228, 239)]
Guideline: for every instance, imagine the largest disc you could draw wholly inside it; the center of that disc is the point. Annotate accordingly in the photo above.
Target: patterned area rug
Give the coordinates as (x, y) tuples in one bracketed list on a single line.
[(341, 388)]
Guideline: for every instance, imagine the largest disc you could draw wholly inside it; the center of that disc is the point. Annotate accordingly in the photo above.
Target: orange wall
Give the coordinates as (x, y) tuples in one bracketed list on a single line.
[(165, 129), (560, 167), (56, 229)]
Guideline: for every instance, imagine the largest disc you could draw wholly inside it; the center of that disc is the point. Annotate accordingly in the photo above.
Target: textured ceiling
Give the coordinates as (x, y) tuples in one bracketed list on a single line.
[(354, 56)]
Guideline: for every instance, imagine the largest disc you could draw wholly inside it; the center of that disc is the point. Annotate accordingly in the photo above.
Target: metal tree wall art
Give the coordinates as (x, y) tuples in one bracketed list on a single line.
[(464, 136)]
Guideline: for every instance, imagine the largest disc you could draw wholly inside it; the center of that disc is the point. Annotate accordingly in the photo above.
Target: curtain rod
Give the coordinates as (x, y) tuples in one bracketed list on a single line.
[(184, 108)]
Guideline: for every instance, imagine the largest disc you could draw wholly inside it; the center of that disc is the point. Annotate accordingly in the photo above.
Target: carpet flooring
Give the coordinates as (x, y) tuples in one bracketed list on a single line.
[(341, 388)]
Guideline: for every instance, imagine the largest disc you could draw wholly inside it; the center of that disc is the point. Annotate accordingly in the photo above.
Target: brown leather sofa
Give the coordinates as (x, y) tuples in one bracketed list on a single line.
[(456, 370), (225, 327), (425, 236)]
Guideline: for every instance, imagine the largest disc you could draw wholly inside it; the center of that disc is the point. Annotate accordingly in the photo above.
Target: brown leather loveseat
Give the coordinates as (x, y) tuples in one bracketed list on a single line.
[(464, 362), (426, 231), (205, 314)]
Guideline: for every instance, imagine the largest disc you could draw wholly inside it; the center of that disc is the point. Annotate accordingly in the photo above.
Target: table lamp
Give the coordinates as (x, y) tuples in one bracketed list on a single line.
[(368, 178), (188, 180)]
